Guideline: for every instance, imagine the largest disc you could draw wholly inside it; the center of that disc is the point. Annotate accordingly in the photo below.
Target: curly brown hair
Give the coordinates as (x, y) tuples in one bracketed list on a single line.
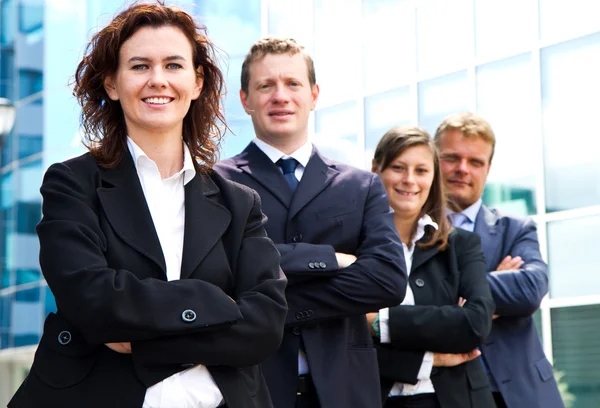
[(102, 119), (395, 142)]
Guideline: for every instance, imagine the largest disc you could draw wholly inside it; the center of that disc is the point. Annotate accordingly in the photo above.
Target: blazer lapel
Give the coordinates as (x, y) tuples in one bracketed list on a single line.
[(317, 176), (125, 206), (258, 166), (422, 255), (488, 230), (205, 222)]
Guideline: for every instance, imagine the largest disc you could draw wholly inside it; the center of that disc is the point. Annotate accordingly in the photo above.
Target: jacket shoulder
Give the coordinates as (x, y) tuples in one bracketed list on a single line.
[(233, 192), (460, 239)]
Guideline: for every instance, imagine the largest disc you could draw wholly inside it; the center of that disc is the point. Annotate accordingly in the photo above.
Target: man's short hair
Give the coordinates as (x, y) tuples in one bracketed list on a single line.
[(275, 45), (470, 125)]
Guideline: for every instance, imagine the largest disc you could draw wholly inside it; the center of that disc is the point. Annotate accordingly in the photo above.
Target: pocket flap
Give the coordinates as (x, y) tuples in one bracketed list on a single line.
[(544, 369)]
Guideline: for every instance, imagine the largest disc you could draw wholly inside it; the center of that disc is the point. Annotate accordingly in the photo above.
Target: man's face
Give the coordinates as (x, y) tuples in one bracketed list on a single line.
[(465, 164), (280, 98)]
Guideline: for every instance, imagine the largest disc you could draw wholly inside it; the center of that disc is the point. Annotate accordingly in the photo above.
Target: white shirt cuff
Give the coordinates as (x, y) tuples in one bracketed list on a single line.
[(426, 366), (384, 326)]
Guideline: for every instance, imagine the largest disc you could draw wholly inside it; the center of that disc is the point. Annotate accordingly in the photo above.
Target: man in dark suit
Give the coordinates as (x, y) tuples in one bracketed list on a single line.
[(334, 229), (520, 374)]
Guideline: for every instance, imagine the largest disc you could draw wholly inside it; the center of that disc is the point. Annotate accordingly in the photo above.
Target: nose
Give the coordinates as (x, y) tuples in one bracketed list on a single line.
[(280, 95), (409, 177), (462, 166), (157, 79)]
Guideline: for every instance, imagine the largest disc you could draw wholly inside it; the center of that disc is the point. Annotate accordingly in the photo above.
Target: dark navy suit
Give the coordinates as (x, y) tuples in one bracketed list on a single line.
[(513, 353), (335, 208)]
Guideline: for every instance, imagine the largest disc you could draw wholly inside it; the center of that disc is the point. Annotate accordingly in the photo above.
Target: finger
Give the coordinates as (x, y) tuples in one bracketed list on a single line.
[(503, 263)]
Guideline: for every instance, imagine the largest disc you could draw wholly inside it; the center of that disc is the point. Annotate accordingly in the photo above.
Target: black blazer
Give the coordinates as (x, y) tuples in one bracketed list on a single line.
[(335, 208), (102, 259), (436, 323)]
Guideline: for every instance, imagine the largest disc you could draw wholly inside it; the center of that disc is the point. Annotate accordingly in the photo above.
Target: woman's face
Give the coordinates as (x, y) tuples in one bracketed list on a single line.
[(155, 81), (408, 180)]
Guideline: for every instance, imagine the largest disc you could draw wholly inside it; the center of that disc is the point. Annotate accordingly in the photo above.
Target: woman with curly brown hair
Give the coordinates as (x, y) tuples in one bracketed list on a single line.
[(161, 269)]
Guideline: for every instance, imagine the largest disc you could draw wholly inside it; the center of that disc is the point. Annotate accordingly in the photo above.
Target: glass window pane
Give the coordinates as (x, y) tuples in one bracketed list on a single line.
[(8, 19), (384, 111), (336, 133), (572, 257), (6, 74), (31, 15), (561, 19), (505, 98), (337, 50), (389, 44), (575, 345), (440, 97), (570, 103), (298, 25), (444, 35), (494, 16)]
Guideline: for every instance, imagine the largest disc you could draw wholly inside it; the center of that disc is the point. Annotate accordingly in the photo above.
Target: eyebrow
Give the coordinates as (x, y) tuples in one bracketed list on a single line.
[(145, 59)]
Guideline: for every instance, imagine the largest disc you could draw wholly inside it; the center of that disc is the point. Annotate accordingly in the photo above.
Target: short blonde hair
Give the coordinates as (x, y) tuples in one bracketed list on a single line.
[(470, 125)]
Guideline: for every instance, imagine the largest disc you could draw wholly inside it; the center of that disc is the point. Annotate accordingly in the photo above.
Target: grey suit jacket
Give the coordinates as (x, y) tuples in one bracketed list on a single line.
[(519, 370)]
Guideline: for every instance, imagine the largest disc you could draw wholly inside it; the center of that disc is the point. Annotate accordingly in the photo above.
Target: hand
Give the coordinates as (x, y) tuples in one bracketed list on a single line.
[(123, 348), (495, 316), (370, 319), (510, 263), (461, 301), (451, 360), (344, 260)]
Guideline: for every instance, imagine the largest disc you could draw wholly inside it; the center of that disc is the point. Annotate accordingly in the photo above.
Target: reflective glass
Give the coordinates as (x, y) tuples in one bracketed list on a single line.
[(384, 111), (493, 17), (337, 50), (572, 257), (440, 97), (388, 44), (575, 345), (561, 19), (31, 15), (444, 35), (570, 103), (298, 24), (506, 99), (8, 21), (7, 84), (336, 133)]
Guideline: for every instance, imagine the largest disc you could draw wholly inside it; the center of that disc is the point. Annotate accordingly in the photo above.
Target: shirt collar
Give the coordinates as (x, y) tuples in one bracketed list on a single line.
[(424, 221), (302, 155), (188, 170), (469, 212)]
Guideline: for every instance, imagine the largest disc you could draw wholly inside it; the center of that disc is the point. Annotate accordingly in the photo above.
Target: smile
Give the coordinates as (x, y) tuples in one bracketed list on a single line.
[(157, 101), (406, 193)]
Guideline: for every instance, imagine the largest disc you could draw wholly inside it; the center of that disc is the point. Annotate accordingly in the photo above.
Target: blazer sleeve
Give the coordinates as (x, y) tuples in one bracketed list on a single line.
[(260, 296), (449, 328), (110, 305), (399, 365), (520, 292), (295, 258), (377, 279)]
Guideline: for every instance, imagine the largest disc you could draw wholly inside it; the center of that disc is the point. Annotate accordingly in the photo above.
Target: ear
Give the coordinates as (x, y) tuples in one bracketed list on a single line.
[(244, 100), (315, 96), (199, 83), (111, 88)]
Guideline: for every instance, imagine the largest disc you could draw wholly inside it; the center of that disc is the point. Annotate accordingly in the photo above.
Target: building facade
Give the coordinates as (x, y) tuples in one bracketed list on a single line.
[(528, 66)]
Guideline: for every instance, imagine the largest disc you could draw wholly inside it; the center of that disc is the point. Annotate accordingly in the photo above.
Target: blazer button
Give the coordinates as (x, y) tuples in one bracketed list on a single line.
[(434, 371), (419, 282), (297, 238), (299, 315), (311, 265), (188, 316), (296, 331), (309, 313), (323, 265), (64, 337)]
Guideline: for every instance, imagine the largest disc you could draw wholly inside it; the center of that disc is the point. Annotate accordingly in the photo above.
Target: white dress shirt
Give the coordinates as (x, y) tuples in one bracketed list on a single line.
[(424, 384), (302, 156), (194, 387), (466, 218)]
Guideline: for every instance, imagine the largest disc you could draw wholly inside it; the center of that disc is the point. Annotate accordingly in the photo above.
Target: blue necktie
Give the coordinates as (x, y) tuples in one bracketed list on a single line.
[(289, 167)]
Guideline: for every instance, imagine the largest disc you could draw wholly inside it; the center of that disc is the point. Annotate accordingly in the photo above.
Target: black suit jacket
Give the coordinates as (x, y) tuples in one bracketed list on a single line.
[(102, 259), (436, 323), (336, 208)]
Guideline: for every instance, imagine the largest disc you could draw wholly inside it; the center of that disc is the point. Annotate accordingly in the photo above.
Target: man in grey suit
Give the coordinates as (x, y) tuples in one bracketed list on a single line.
[(520, 374)]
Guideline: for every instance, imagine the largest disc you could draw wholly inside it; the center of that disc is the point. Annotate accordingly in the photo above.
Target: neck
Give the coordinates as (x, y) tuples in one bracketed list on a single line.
[(166, 152), (405, 226), (285, 145)]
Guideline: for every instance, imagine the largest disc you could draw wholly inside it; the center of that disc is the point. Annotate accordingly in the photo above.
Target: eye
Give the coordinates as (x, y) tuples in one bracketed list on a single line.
[(139, 67), (397, 167), (450, 159), (422, 171), (476, 163), (294, 83), (174, 65)]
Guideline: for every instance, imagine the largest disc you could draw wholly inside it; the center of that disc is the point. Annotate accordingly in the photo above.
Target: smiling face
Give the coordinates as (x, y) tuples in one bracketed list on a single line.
[(155, 82), (408, 180), (465, 164), (280, 98)]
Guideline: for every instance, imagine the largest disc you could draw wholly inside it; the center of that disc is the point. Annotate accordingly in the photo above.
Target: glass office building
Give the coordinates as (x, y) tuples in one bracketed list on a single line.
[(529, 66)]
